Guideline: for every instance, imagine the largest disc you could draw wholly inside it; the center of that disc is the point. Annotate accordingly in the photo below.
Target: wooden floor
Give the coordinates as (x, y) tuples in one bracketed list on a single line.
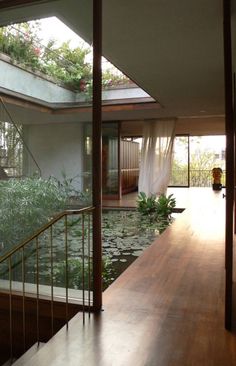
[(183, 198), (166, 309), (127, 200)]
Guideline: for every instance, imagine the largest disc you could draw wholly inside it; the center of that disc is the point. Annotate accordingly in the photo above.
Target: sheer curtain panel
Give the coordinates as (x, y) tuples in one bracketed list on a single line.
[(156, 156)]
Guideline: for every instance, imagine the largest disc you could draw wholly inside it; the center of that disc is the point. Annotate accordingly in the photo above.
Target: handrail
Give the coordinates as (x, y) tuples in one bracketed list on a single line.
[(86, 279), (44, 228), (197, 177), (204, 170)]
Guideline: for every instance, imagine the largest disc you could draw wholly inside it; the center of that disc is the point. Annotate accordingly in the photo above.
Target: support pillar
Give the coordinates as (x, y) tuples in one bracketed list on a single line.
[(229, 129), (97, 157)]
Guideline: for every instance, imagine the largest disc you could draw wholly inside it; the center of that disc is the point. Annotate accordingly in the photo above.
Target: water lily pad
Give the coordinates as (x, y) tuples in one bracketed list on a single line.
[(125, 235), (137, 253)]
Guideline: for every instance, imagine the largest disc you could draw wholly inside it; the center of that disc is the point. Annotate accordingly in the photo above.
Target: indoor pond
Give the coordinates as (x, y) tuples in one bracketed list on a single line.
[(125, 234)]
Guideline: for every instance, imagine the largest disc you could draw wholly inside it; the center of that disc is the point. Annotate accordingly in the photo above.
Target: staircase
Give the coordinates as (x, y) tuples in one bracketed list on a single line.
[(33, 307)]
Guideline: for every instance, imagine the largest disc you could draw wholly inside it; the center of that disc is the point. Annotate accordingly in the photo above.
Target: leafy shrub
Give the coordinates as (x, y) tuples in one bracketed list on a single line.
[(21, 43), (68, 188), (147, 205), (64, 64), (25, 205), (156, 208), (165, 206)]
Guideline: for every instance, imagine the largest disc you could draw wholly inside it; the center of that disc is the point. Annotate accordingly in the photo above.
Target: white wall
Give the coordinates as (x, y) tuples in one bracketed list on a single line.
[(28, 83), (56, 148)]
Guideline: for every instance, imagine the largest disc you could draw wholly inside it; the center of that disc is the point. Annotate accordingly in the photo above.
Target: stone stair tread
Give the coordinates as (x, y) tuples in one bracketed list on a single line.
[(28, 354)]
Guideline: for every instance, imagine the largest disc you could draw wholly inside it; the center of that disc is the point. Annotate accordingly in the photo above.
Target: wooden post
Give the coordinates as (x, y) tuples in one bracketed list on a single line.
[(189, 162), (97, 158), (229, 128), (119, 162)]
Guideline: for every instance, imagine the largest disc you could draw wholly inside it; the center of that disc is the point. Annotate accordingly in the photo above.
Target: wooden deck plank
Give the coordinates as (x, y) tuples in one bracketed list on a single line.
[(183, 197), (166, 309)]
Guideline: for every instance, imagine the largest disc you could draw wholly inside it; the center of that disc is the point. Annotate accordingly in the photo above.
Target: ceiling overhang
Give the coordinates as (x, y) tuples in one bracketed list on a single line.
[(172, 50)]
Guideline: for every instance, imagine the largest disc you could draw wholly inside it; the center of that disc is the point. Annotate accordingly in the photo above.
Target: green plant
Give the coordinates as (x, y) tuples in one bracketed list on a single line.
[(67, 65), (25, 205), (64, 63), (68, 188), (147, 205), (107, 272), (21, 43), (165, 206), (156, 208), (110, 78)]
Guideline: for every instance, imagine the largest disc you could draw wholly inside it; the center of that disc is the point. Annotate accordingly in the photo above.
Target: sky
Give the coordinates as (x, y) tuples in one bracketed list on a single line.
[(54, 28), (209, 143)]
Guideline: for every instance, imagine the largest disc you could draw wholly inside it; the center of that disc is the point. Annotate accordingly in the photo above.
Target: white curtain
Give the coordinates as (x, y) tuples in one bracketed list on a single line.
[(156, 156)]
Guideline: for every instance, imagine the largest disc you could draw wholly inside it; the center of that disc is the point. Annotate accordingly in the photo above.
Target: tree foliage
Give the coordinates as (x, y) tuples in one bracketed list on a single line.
[(64, 64), (70, 67), (20, 43), (202, 161)]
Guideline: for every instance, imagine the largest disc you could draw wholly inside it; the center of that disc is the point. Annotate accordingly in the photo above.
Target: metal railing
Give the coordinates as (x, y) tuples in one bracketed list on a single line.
[(13, 147), (197, 178), (24, 273)]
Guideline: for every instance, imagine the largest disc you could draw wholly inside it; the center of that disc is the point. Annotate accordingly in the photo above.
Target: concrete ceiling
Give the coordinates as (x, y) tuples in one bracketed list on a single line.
[(171, 49)]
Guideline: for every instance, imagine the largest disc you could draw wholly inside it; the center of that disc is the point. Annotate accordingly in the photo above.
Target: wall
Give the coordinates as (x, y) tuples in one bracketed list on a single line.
[(37, 85), (123, 93), (21, 81), (195, 126), (57, 148)]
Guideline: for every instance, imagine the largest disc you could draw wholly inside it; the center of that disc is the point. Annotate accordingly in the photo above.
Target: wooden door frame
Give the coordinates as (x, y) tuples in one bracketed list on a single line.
[(229, 129)]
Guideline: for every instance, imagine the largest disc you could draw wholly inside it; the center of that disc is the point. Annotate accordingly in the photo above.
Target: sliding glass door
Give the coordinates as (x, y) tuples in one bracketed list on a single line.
[(180, 165)]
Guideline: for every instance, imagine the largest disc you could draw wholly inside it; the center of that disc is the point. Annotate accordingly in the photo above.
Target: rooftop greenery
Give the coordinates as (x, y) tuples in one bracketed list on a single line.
[(64, 64)]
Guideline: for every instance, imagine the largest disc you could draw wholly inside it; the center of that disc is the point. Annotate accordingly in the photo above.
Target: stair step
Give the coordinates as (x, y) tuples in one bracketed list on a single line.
[(28, 354)]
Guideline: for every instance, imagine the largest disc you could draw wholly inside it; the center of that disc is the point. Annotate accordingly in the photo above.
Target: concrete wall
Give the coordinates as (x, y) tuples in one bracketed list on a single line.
[(21, 81), (36, 85), (57, 148), (119, 92)]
